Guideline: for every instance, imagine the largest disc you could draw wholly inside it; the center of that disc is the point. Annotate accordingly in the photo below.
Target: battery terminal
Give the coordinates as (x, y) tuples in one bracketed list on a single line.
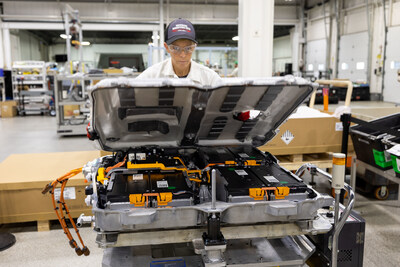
[(282, 192), (251, 162), (256, 193), (137, 200), (164, 198)]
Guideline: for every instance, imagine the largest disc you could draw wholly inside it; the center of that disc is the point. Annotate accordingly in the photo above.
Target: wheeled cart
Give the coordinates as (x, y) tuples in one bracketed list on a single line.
[(186, 185)]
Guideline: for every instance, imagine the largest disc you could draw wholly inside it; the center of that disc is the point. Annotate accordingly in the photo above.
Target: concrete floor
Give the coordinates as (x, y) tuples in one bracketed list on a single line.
[(37, 134)]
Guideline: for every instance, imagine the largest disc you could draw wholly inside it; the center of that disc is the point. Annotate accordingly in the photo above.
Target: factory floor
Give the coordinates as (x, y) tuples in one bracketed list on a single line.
[(37, 134)]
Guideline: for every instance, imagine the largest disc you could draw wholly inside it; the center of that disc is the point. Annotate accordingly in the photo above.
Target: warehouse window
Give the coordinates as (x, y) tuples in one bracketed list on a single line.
[(310, 67), (321, 67), (360, 65), (345, 66)]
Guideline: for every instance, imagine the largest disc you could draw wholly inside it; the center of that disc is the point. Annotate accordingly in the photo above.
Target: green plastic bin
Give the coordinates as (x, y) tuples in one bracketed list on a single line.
[(395, 157), (382, 158)]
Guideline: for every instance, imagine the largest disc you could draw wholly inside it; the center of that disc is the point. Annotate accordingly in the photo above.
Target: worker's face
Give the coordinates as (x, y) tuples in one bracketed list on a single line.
[(181, 52)]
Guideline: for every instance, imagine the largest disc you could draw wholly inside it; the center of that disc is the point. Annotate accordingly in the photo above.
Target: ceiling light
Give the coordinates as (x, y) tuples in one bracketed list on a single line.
[(155, 37), (64, 36), (236, 38), (85, 43)]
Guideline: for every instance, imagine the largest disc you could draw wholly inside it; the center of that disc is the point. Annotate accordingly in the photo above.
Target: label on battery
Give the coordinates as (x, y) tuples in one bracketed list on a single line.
[(140, 156), (398, 164), (69, 193), (162, 184), (241, 172), (137, 156), (271, 179), (138, 176), (243, 155)]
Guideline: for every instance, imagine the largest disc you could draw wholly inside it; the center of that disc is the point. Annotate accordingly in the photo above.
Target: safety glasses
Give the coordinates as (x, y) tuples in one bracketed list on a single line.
[(177, 49)]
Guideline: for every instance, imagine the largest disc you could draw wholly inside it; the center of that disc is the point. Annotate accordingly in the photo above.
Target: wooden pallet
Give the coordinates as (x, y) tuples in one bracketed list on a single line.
[(293, 162), (43, 226)]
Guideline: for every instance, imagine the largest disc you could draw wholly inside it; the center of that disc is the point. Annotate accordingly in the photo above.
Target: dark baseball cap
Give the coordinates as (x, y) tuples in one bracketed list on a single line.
[(180, 29)]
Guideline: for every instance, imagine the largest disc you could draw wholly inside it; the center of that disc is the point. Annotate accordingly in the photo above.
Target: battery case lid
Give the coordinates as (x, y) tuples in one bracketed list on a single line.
[(129, 113)]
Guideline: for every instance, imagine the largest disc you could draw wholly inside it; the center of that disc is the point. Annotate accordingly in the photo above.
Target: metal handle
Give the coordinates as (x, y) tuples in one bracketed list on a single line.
[(213, 189)]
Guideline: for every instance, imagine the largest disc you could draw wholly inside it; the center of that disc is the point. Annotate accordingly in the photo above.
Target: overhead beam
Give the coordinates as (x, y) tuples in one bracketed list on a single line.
[(85, 26), (137, 13)]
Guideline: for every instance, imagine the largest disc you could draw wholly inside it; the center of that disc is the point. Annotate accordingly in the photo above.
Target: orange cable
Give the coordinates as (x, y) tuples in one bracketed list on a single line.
[(119, 164)]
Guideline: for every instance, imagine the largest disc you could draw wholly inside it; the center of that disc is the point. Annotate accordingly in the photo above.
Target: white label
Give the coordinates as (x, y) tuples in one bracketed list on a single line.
[(131, 157), (388, 158), (241, 172), (162, 184), (221, 151), (69, 193), (271, 179), (243, 155), (398, 164), (138, 156), (287, 137), (141, 156), (339, 127), (138, 176)]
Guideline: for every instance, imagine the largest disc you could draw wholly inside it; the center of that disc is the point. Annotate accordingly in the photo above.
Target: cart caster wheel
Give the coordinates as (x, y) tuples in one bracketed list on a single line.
[(381, 192), (333, 193)]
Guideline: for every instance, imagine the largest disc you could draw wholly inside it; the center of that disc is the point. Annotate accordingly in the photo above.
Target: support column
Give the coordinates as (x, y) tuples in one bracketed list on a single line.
[(7, 48), (256, 27), (294, 40), (156, 45), (161, 51), (1, 46)]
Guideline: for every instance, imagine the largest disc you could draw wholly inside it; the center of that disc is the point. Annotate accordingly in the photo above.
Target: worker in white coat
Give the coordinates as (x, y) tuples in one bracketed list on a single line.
[(235, 71), (180, 42)]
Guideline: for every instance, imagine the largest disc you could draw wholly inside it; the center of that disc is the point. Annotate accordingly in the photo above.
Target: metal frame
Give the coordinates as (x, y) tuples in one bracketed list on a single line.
[(3, 89), (388, 174), (33, 95), (339, 222), (81, 128)]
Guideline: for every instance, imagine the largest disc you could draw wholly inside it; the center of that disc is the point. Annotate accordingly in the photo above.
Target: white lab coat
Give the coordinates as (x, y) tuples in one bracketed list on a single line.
[(198, 73), (234, 73)]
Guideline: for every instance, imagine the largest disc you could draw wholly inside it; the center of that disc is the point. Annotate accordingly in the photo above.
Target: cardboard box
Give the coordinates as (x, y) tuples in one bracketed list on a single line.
[(113, 71), (307, 135), (8, 109), (23, 177), (71, 110), (105, 153)]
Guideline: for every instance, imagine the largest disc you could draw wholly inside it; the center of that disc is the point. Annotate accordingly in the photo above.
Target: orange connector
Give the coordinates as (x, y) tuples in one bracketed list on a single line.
[(256, 193)]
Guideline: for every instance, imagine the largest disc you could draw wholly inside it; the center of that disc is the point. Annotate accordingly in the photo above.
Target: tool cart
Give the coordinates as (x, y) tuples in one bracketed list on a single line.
[(185, 184)]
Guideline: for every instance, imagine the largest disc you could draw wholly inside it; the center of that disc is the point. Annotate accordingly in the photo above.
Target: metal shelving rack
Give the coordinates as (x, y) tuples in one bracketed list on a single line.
[(30, 90), (3, 89), (67, 95)]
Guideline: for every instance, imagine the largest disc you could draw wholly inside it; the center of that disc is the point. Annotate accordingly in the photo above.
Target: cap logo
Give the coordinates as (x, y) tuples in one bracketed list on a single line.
[(181, 28)]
